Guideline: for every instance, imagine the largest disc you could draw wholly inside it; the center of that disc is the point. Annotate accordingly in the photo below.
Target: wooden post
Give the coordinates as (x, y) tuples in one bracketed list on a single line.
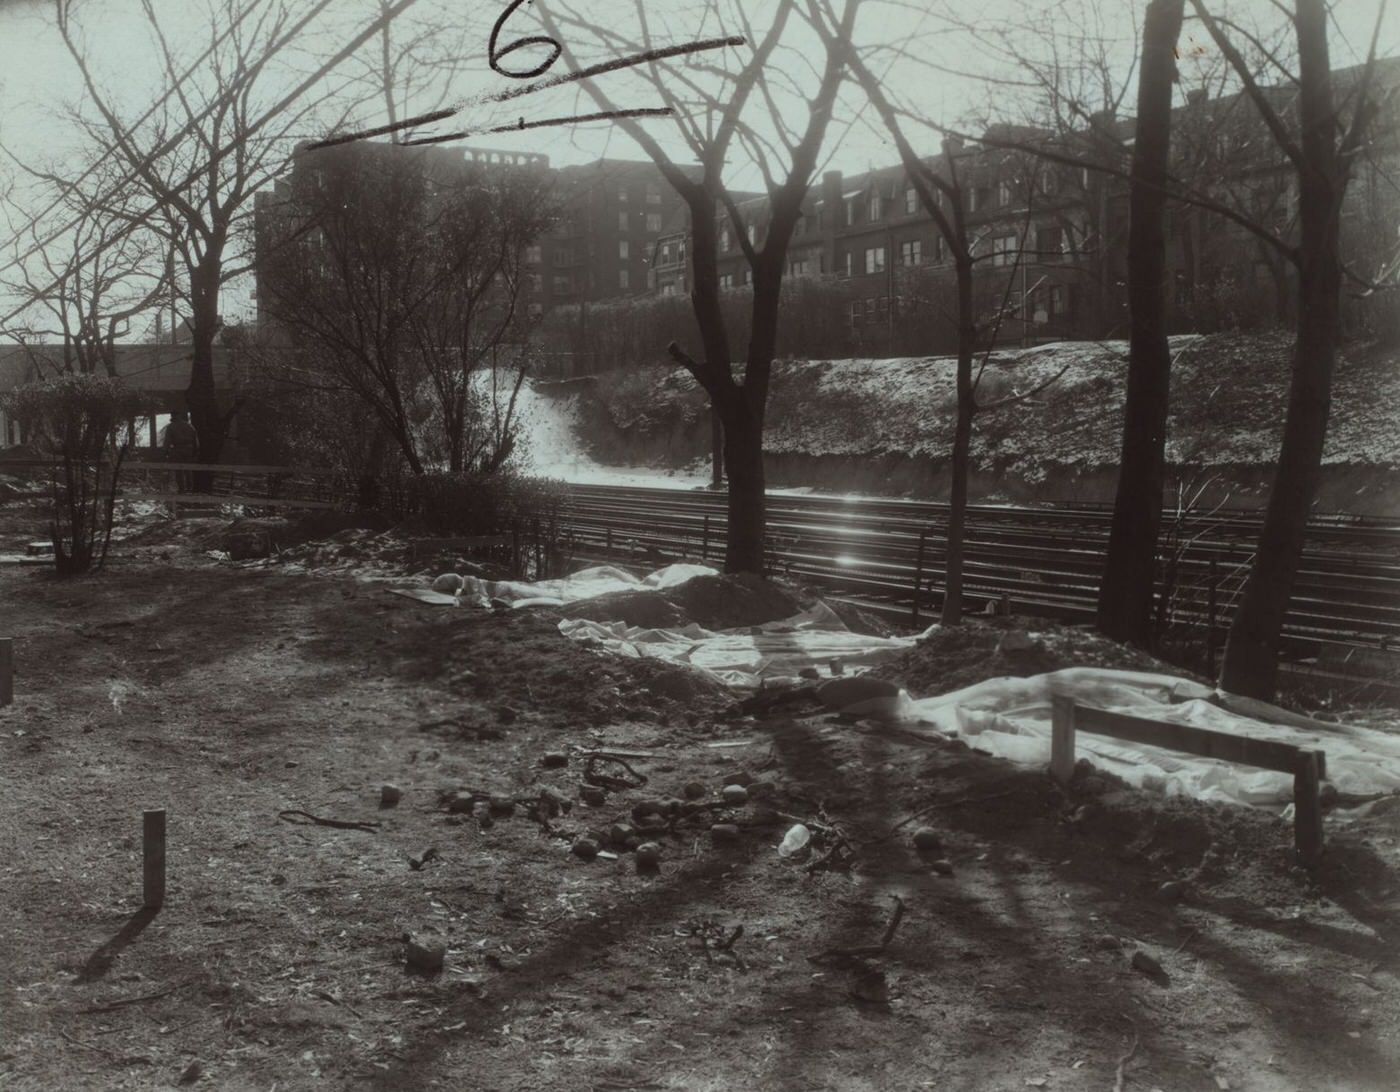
[(705, 539), (7, 670), (1005, 605), (918, 576), (1062, 738), (1307, 807), (153, 858)]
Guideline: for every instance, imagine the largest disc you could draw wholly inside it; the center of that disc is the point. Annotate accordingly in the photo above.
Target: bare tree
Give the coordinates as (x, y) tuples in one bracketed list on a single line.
[(217, 134), (1321, 148), (396, 275), (743, 104), (84, 286), (1125, 590)]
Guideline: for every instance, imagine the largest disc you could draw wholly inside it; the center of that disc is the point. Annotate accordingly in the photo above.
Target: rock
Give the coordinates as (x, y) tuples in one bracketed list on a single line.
[(693, 790), (619, 833), (1107, 942), (389, 795), (500, 606), (734, 796), (809, 673), (553, 760), (724, 832), (593, 795), (760, 790), (648, 853), (1172, 891), (448, 584), (1141, 961), (942, 866), (927, 840), (859, 695), (461, 801), (502, 805), (586, 848), (837, 667), (742, 777), (423, 955), (190, 1073), (1016, 640)]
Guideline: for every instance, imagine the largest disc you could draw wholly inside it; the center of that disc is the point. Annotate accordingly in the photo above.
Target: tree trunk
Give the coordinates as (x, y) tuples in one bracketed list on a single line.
[(1125, 593), (1250, 666), (716, 450), (957, 496), (743, 462), (201, 395)]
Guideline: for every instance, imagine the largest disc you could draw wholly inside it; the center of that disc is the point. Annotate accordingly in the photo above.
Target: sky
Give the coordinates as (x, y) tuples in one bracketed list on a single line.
[(932, 67)]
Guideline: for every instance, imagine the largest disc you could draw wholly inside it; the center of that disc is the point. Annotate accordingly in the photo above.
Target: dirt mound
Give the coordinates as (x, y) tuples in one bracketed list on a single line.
[(956, 656), (649, 609), (734, 600)]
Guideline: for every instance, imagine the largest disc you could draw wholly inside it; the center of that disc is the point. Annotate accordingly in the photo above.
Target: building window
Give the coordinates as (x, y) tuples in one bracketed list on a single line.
[(798, 267), (653, 222), (624, 222), (1050, 243), (623, 279), (726, 280), (911, 200), (1049, 183), (533, 255), (563, 286), (875, 259), (1003, 193), (850, 212), (875, 208), (622, 195), (911, 252), (624, 249), (857, 313), (563, 256), (1057, 300), (848, 263), (753, 234), (724, 237), (653, 194), (1003, 249)]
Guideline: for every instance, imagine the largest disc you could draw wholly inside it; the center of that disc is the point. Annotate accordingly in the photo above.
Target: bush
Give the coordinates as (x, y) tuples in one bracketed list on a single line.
[(529, 510), (77, 419)]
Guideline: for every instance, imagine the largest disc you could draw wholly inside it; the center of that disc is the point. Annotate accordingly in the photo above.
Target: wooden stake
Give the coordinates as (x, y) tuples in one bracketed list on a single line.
[(7, 670), (153, 856), (1062, 738), (1307, 807)]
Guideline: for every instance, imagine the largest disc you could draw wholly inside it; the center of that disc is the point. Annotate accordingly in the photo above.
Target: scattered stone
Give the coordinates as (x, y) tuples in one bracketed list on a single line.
[(481, 812), (648, 854), (1172, 891), (837, 667), (734, 796), (424, 956), (502, 805), (461, 801), (553, 760), (429, 854), (619, 833), (927, 840), (858, 694), (389, 795), (942, 866), (1141, 961), (809, 673), (606, 855), (693, 790), (593, 795), (448, 584), (1107, 942), (190, 1073), (644, 808), (742, 777), (725, 832), (586, 848), (869, 984)]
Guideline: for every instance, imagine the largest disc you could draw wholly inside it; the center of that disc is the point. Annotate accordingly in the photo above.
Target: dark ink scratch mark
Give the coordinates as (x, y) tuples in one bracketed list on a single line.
[(517, 126)]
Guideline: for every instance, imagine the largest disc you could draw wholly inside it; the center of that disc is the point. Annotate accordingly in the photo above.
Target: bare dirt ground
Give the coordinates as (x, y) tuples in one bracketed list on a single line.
[(228, 695)]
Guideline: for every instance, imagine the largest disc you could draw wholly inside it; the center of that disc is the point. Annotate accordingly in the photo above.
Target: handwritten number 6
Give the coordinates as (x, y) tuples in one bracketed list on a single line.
[(498, 54)]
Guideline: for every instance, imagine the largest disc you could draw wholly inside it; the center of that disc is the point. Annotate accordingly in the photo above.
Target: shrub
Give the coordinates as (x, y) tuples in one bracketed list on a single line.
[(77, 420)]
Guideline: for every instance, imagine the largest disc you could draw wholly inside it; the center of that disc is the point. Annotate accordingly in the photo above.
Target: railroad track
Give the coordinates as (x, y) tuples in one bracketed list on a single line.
[(889, 555)]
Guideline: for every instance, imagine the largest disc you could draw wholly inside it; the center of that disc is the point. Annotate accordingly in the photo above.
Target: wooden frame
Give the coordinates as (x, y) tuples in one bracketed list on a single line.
[(1308, 767)]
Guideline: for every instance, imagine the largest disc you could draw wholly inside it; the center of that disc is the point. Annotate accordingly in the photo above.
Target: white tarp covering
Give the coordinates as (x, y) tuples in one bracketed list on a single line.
[(1011, 718), (584, 584), (744, 658)]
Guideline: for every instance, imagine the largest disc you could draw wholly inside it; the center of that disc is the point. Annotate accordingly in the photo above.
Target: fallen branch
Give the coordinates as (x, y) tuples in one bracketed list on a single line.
[(867, 949), (113, 1005), (608, 781), (126, 1059), (291, 815)]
